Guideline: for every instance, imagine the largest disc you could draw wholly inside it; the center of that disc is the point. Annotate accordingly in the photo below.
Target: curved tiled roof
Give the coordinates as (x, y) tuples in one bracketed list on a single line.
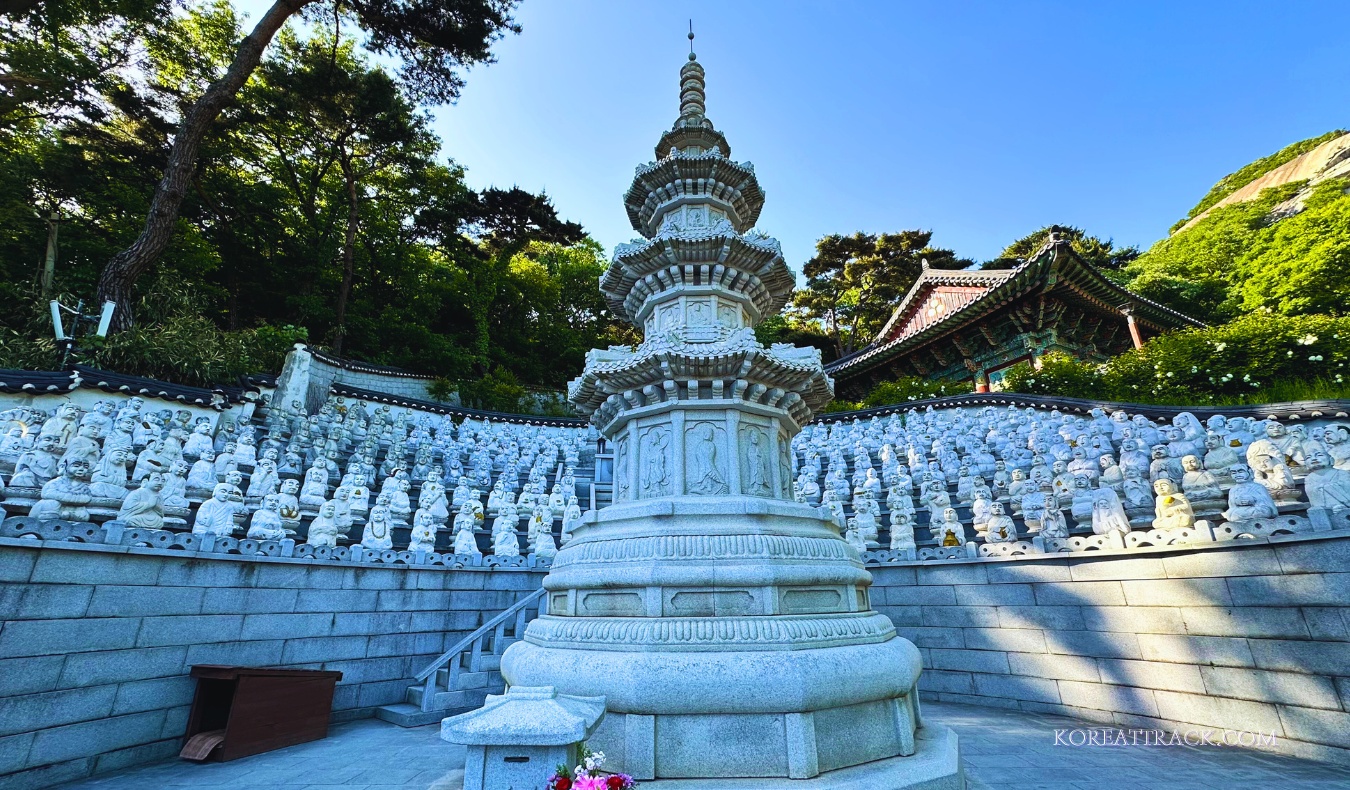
[(1013, 283), (108, 381), (35, 382), (930, 278)]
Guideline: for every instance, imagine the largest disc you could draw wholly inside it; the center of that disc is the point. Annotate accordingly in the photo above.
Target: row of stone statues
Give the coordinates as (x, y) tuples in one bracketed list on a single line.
[(993, 467), (280, 475)]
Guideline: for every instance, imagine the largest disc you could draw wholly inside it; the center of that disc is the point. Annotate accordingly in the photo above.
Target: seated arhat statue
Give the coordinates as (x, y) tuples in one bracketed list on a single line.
[(215, 516), (266, 523), (1248, 500), (144, 507), (323, 531), (1001, 527), (67, 495)]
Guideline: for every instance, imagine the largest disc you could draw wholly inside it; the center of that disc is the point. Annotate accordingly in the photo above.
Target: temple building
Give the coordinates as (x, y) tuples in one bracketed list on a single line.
[(974, 325)]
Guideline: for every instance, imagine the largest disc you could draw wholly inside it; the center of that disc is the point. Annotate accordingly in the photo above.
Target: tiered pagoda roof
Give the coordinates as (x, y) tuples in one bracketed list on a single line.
[(696, 210)]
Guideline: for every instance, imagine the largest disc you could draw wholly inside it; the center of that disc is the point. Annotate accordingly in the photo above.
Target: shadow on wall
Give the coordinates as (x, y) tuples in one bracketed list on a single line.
[(1249, 638)]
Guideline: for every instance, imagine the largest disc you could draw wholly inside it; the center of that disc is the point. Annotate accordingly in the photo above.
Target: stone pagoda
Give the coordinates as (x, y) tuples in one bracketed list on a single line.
[(727, 627)]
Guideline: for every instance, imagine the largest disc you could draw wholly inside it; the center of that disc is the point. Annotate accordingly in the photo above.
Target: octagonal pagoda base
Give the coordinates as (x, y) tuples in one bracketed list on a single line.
[(730, 637), (935, 765)]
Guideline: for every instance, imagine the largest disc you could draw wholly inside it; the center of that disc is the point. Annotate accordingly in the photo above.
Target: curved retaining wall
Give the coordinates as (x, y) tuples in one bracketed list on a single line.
[(1251, 635), (1244, 635), (97, 640)]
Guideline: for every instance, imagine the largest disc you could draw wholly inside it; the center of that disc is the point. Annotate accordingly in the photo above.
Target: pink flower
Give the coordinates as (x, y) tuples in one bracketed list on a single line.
[(590, 783)]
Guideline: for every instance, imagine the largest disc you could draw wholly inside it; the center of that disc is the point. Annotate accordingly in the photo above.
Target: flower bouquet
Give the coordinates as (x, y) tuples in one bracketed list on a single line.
[(589, 775)]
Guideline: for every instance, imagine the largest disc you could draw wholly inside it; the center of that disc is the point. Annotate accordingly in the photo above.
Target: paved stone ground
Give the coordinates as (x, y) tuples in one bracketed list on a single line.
[(1003, 750)]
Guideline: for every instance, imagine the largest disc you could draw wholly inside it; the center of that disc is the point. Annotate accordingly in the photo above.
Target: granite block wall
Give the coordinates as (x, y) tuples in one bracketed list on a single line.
[(96, 641), (1252, 635)]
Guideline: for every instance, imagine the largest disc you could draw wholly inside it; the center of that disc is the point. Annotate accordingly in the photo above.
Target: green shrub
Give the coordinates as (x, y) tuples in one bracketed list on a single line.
[(841, 405), (171, 341), (911, 388), (1059, 374), (441, 389), (497, 391)]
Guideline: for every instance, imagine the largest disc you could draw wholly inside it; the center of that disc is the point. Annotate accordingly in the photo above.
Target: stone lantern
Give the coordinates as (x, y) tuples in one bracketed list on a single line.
[(517, 739)]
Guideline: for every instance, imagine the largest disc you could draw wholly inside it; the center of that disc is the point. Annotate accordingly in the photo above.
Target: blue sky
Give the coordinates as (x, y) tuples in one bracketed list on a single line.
[(980, 121)]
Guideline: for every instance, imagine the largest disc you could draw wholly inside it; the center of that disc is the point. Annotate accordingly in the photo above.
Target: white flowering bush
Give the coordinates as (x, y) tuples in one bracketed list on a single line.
[(1257, 358)]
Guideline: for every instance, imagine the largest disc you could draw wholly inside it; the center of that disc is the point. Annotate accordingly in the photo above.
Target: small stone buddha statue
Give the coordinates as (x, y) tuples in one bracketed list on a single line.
[(466, 543), (1053, 524), (1138, 494), (264, 481), (1272, 473), (175, 486), (109, 480), (544, 546), (200, 439), (854, 538), (506, 544), (1219, 457), (323, 530), (66, 495), (1083, 497), (378, 532), (424, 530), (571, 519), (38, 465), (1326, 486), (1202, 487), (950, 531), (201, 479), (902, 531), (1171, 507), (1002, 529), (1018, 488)]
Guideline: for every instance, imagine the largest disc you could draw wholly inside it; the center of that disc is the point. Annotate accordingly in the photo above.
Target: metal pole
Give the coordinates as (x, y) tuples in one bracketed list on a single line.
[(49, 268), (75, 330)]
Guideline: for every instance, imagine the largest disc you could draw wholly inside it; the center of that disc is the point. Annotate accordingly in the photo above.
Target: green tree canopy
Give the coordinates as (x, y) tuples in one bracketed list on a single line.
[(438, 278), (1248, 258)]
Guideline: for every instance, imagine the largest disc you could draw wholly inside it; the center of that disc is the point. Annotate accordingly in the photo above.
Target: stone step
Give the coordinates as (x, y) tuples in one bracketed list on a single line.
[(405, 714), (462, 698), (469, 680), (485, 663)]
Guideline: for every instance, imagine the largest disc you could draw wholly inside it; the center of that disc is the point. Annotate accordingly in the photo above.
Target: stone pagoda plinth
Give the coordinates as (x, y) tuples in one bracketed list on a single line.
[(727, 627)]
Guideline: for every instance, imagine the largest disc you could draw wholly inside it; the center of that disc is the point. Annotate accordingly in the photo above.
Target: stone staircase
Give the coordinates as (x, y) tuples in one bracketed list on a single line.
[(462, 677)]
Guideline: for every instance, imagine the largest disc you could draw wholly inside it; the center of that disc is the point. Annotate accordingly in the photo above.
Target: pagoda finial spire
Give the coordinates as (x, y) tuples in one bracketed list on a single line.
[(692, 99)]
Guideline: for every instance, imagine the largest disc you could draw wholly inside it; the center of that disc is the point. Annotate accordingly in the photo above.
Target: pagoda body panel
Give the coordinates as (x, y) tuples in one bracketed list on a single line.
[(727, 626)]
